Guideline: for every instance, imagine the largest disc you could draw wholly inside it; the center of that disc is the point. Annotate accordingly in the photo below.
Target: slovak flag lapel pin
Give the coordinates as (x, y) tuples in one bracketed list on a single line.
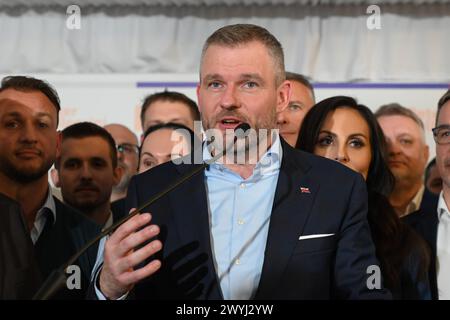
[(304, 190)]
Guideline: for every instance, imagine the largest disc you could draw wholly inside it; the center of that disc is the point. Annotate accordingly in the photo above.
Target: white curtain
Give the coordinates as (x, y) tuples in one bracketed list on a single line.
[(326, 42)]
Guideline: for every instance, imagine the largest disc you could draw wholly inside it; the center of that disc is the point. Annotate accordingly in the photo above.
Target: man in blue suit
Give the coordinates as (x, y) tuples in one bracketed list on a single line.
[(281, 225)]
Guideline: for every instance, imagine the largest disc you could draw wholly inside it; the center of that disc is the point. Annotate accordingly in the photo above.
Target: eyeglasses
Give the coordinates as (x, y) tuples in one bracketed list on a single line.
[(441, 134), (127, 148)]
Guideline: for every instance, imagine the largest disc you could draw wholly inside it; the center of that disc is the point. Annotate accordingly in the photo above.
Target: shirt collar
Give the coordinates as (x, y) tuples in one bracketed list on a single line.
[(49, 205), (269, 162), (442, 206), (414, 205)]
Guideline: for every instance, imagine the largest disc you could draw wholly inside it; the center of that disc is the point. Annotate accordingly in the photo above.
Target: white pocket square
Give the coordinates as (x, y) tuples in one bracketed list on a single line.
[(313, 236)]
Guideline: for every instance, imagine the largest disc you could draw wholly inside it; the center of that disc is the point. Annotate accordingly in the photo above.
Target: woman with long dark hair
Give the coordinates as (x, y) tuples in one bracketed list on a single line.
[(341, 129)]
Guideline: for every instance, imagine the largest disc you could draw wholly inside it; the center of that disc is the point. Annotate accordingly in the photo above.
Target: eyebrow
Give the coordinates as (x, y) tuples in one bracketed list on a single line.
[(354, 135), (18, 115), (327, 132), (244, 76)]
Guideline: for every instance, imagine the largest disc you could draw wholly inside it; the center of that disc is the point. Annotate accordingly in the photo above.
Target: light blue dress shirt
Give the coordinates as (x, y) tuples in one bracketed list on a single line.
[(239, 215)]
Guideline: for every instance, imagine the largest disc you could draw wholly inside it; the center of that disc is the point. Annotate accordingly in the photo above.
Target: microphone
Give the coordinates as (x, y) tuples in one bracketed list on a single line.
[(58, 277)]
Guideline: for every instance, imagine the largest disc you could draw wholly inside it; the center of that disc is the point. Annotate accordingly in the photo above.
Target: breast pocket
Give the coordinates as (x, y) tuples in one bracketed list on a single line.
[(318, 244)]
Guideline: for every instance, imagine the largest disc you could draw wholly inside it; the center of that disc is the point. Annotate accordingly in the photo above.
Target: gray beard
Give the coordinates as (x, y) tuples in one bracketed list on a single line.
[(122, 186)]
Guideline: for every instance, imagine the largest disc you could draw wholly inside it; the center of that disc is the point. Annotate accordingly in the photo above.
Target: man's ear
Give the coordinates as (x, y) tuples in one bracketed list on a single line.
[(54, 174), (58, 143), (426, 153), (198, 98), (284, 92), (117, 174)]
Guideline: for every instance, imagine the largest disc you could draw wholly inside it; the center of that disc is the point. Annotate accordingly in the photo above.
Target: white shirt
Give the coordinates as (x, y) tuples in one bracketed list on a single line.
[(414, 205), (42, 215), (443, 250)]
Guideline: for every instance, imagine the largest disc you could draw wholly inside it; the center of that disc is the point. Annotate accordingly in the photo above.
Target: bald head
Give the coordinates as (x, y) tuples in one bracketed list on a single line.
[(127, 155), (121, 132)]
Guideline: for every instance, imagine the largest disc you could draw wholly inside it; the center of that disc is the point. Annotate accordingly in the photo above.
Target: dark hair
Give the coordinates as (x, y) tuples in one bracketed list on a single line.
[(395, 242), (232, 36), (23, 83), (172, 126), (171, 96), (88, 129), (443, 100), (430, 165), (379, 177), (395, 109), (297, 77)]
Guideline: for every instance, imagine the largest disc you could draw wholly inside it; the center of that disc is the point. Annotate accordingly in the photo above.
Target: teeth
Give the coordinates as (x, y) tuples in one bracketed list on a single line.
[(229, 121)]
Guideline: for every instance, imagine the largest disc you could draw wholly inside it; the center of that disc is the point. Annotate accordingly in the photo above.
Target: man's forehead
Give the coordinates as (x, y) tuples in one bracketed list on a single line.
[(444, 113), (85, 145), (121, 134), (29, 101), (399, 123)]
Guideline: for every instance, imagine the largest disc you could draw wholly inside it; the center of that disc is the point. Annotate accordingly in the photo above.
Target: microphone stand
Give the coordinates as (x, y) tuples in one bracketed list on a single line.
[(58, 277)]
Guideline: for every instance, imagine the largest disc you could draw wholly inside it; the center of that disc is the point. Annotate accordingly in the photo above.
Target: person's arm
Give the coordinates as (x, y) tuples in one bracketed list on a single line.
[(356, 268)]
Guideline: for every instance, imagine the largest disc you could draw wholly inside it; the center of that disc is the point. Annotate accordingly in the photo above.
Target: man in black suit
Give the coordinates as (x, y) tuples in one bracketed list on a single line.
[(87, 175), (276, 224), (19, 273), (432, 221), (29, 110)]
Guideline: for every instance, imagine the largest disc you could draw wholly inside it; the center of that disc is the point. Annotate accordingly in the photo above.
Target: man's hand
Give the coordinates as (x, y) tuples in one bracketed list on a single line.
[(118, 275)]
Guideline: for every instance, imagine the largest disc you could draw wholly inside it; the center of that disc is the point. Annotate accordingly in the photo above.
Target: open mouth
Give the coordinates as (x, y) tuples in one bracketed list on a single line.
[(229, 123)]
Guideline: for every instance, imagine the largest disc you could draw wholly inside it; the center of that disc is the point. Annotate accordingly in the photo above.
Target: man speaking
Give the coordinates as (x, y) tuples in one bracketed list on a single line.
[(282, 225)]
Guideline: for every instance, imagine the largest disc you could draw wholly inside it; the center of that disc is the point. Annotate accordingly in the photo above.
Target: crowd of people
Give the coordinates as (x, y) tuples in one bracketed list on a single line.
[(339, 190)]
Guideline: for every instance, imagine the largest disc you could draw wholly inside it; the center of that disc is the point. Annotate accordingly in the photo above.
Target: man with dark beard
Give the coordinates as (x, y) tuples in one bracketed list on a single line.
[(87, 175), (29, 142)]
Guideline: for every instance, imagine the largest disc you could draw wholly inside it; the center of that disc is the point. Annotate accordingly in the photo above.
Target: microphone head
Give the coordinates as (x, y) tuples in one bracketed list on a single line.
[(241, 131)]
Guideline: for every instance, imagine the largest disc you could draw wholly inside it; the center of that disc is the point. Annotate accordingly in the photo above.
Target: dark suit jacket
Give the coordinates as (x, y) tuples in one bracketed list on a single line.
[(59, 241), (118, 209), (320, 268), (19, 272), (425, 222)]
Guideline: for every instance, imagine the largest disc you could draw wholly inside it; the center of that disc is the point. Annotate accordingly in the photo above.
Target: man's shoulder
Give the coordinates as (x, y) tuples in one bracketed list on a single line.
[(319, 166)]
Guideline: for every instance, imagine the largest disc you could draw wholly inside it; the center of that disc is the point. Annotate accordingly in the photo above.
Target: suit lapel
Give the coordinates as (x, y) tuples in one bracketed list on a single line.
[(290, 212), (190, 208)]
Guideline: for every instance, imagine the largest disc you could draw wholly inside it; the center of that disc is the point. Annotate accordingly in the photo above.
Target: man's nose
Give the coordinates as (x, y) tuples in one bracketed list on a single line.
[(229, 98), (29, 134)]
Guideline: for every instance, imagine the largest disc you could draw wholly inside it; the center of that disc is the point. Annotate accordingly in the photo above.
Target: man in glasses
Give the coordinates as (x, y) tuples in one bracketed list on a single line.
[(434, 224), (128, 159)]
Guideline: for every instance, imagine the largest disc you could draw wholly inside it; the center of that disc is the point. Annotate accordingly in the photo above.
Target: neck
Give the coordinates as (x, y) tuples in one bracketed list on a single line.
[(31, 195), (252, 157), (446, 194), (403, 194), (118, 195), (99, 214)]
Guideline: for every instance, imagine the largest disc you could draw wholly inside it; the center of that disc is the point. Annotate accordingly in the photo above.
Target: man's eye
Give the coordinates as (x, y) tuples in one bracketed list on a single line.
[(71, 165), (43, 125), (214, 85), (445, 133), (406, 141), (250, 85), (12, 124), (295, 107), (99, 164)]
